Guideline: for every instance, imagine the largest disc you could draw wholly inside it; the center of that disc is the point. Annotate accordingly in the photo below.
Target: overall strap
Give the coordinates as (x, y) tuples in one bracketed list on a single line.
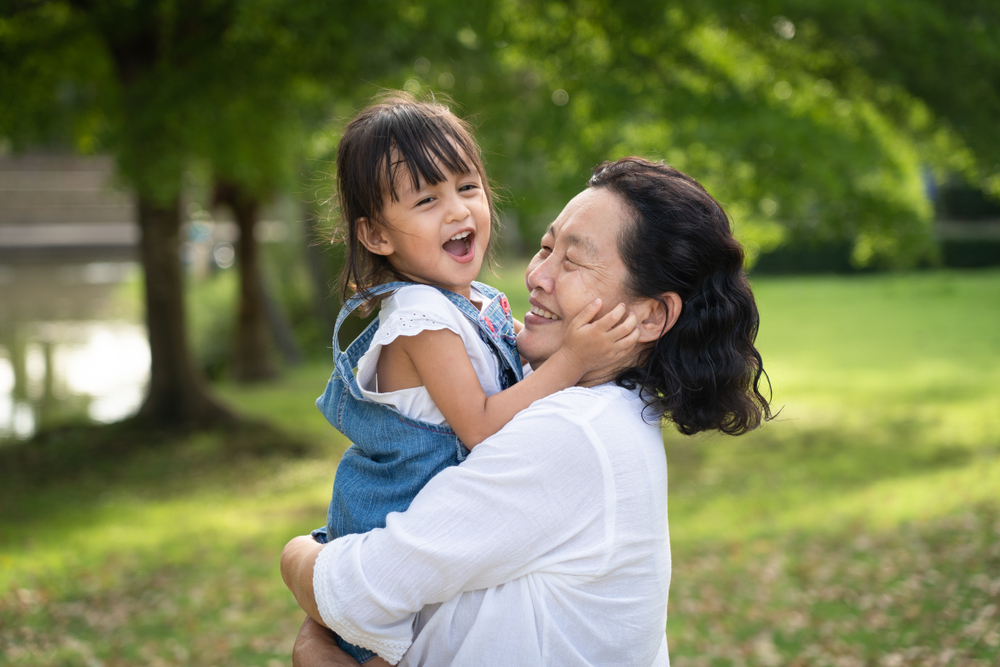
[(347, 360), (505, 357), (485, 290)]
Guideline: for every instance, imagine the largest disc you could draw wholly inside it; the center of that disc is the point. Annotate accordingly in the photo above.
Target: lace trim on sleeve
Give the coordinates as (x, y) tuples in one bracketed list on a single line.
[(388, 649)]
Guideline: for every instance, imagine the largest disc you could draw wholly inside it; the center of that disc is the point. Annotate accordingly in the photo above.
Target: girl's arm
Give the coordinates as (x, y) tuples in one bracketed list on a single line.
[(440, 359)]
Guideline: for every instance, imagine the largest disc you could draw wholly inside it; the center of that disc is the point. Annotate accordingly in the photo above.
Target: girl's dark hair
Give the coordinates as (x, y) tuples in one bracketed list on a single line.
[(704, 373), (396, 131)]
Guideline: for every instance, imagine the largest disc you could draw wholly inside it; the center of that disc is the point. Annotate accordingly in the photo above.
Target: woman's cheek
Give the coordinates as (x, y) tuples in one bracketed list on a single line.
[(576, 294)]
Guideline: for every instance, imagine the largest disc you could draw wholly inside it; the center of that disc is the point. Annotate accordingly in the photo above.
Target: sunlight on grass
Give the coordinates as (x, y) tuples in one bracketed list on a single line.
[(859, 527)]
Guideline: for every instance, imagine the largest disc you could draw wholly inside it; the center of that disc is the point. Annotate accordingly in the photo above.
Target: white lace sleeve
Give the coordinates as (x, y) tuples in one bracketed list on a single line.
[(414, 309)]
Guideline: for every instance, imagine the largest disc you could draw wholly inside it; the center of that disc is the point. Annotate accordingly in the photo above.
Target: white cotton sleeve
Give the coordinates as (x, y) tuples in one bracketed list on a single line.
[(388, 639), (538, 495)]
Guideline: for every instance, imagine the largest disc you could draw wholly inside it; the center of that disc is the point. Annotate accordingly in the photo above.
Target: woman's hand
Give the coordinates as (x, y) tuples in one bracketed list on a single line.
[(297, 561), (315, 646)]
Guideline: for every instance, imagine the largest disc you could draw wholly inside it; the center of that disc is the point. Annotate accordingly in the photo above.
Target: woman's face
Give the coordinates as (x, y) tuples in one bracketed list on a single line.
[(577, 263)]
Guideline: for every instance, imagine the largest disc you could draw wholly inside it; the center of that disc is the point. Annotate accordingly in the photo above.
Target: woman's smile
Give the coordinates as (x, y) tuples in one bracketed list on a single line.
[(578, 262), (539, 311)]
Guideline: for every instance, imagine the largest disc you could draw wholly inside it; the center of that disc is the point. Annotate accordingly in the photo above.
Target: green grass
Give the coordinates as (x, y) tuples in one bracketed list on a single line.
[(860, 527)]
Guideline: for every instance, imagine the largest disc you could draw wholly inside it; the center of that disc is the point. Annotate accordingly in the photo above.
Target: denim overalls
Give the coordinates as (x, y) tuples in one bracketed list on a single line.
[(392, 456)]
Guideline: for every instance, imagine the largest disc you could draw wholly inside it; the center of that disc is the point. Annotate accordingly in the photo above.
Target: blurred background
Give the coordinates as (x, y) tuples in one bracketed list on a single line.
[(168, 288)]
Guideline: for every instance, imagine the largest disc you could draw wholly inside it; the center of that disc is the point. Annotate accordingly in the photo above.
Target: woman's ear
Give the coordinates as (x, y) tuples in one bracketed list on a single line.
[(372, 239), (658, 316)]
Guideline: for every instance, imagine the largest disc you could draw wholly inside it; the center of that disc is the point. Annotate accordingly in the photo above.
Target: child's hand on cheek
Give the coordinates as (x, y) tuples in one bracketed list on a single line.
[(594, 344)]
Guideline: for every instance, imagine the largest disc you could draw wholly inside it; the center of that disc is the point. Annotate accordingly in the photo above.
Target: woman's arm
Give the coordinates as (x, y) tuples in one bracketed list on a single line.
[(533, 497), (315, 645), (297, 561), (444, 368)]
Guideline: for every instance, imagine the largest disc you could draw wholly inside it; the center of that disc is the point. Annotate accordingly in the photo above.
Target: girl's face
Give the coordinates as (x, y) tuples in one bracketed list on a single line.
[(435, 234)]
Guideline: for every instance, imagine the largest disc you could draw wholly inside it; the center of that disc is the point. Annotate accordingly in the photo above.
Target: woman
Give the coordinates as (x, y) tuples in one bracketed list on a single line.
[(549, 544)]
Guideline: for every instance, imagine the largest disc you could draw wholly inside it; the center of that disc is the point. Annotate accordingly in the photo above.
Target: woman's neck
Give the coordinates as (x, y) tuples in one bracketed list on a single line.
[(609, 373)]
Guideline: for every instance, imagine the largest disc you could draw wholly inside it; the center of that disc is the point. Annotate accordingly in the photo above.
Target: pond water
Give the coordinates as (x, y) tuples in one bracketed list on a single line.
[(72, 344)]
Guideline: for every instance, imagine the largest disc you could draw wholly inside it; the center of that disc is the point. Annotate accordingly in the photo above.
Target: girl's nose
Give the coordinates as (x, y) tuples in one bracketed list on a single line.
[(456, 209)]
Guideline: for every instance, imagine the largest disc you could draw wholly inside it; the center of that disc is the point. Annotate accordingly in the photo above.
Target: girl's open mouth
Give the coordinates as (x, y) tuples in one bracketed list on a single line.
[(460, 245)]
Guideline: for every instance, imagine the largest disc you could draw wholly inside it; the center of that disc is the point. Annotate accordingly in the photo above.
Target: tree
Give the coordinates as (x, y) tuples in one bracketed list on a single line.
[(807, 119), (252, 357), (800, 131), (944, 54), (233, 84), (147, 81), (131, 71)]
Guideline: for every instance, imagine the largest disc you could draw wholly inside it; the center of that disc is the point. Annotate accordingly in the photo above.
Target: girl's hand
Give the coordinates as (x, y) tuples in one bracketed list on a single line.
[(591, 345)]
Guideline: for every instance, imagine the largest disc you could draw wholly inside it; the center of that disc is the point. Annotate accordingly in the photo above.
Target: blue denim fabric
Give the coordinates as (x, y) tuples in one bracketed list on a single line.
[(392, 456)]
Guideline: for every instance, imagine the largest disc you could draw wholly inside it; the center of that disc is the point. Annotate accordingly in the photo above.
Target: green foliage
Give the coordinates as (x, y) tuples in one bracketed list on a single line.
[(809, 120), (160, 84), (57, 80), (788, 152), (946, 55)]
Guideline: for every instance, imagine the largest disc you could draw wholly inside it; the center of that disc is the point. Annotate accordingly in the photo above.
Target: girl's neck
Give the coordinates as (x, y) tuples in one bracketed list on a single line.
[(464, 290)]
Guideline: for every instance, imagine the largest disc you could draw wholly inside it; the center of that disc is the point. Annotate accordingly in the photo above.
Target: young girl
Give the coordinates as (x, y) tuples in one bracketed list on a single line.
[(438, 371)]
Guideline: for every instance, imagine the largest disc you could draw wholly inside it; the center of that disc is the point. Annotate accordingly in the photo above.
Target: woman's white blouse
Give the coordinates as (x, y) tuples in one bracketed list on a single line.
[(406, 312), (547, 546)]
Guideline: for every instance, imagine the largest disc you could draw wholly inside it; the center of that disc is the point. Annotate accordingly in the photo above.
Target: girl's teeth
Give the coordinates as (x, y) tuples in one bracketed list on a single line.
[(541, 312), (459, 237)]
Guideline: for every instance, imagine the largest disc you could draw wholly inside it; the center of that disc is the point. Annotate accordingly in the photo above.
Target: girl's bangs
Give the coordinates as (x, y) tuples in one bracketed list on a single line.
[(427, 155)]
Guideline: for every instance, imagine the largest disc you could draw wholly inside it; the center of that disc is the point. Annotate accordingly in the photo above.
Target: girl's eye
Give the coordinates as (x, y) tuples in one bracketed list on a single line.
[(425, 200)]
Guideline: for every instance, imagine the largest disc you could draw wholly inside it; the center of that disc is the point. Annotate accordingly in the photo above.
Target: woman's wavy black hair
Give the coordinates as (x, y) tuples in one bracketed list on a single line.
[(396, 131), (704, 373)]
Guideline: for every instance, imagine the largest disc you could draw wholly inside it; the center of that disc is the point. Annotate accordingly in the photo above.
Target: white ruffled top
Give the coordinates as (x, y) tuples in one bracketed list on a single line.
[(407, 312)]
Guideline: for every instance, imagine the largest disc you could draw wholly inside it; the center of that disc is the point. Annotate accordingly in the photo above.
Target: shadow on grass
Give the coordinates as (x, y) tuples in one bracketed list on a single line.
[(62, 451), (64, 467)]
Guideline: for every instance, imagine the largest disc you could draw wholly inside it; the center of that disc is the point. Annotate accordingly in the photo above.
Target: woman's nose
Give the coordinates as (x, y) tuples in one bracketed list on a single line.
[(539, 275)]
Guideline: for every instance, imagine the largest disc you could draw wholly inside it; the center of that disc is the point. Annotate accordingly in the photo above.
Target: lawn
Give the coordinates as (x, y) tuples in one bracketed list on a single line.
[(860, 527)]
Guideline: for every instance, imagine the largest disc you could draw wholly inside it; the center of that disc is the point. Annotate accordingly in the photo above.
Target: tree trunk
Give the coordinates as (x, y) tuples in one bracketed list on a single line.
[(323, 280), (253, 359), (178, 395)]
